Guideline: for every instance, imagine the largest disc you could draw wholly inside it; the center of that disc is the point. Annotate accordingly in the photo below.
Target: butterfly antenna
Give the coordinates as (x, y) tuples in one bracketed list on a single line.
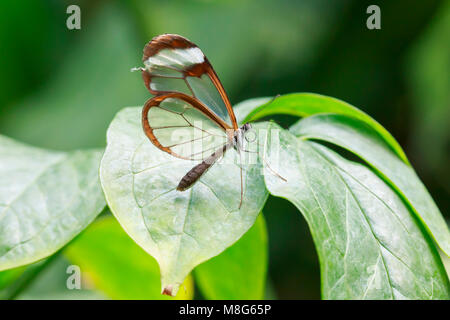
[(137, 69), (242, 184)]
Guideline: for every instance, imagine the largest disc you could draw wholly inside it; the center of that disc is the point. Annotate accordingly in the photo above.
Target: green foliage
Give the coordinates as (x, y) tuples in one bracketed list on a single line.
[(240, 271), (369, 245), (361, 139), (350, 128), (61, 88), (307, 104), (9, 276), (118, 266), (46, 199), (371, 222)]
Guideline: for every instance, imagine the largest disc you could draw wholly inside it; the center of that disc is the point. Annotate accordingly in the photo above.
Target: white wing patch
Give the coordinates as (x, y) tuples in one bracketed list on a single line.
[(175, 58), (168, 74)]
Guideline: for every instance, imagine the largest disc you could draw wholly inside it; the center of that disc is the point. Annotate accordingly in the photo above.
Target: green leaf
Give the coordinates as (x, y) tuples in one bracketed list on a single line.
[(9, 276), (244, 108), (307, 104), (116, 265), (179, 229), (361, 139), (240, 271), (369, 244), (46, 199)]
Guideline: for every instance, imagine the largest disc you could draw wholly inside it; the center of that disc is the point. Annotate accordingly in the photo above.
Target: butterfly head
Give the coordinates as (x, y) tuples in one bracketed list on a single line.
[(246, 127), (240, 134)]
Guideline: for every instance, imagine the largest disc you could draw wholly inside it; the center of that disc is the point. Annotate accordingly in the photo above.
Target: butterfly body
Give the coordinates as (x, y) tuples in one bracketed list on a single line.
[(239, 136), (196, 172)]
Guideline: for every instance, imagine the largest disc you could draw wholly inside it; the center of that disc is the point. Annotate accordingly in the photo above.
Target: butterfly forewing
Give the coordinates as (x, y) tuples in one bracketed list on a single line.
[(174, 64), (175, 124), (205, 91)]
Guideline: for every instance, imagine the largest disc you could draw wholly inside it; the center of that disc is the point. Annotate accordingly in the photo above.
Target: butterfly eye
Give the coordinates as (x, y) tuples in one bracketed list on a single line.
[(250, 136)]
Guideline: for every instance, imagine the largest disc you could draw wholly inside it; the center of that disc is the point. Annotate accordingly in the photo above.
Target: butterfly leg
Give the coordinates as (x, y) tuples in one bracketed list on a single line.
[(242, 168), (242, 182)]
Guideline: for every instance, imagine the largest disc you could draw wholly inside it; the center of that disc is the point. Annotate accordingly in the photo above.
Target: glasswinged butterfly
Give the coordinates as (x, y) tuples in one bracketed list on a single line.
[(190, 115)]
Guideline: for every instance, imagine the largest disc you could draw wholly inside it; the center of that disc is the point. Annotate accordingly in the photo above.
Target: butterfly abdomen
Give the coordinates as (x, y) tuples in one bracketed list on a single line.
[(193, 175), (196, 172)]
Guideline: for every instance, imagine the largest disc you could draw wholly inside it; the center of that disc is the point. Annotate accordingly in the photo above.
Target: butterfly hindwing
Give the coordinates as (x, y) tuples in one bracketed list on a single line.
[(175, 64), (178, 124)]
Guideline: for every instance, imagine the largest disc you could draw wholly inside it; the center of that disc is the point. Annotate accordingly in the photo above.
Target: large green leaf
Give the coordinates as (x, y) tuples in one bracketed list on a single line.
[(46, 199), (358, 137), (179, 229), (369, 244), (307, 104), (240, 271), (116, 265)]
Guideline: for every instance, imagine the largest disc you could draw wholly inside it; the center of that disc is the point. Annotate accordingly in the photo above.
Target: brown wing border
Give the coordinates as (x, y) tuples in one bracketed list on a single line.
[(174, 41), (156, 101)]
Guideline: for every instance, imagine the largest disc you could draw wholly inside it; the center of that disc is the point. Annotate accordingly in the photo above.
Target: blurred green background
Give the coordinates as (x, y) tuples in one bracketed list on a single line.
[(60, 88)]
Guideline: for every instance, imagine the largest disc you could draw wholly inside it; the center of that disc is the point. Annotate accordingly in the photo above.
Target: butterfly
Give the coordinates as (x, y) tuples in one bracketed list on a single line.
[(190, 116)]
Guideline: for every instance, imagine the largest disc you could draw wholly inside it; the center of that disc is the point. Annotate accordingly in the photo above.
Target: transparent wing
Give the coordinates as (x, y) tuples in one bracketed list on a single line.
[(174, 64), (177, 125)]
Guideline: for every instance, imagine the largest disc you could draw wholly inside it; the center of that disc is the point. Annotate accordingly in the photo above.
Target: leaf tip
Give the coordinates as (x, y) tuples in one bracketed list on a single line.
[(168, 290)]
